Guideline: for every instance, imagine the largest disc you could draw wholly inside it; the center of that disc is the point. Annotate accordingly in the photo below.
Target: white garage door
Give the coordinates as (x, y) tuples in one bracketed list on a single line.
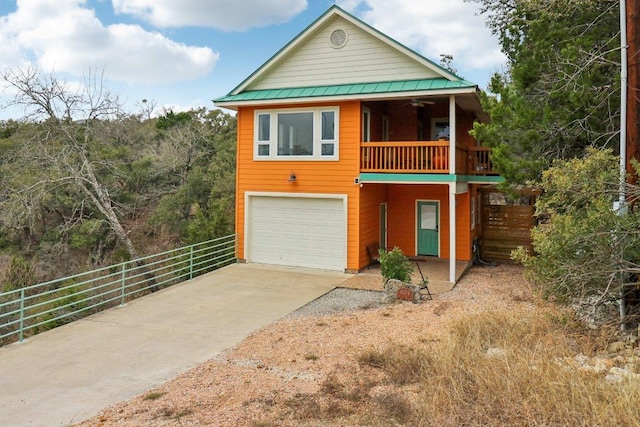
[(295, 231)]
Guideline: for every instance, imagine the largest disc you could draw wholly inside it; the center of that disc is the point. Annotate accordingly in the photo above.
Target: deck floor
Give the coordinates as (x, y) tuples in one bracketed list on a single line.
[(435, 270)]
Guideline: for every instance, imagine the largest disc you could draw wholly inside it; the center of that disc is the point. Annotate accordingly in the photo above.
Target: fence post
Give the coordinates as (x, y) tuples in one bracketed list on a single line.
[(122, 280), (21, 314), (190, 262)]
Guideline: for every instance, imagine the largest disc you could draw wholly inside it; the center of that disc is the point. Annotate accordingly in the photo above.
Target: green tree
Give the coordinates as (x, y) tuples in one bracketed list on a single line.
[(79, 173), (203, 207), (171, 119), (561, 91), (63, 147)]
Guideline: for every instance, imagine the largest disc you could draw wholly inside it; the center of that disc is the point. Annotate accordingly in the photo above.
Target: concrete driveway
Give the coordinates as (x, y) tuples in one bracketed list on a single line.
[(68, 374)]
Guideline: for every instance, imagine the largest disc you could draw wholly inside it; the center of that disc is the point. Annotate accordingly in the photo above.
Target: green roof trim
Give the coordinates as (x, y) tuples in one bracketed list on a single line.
[(489, 179), (348, 89), (399, 178)]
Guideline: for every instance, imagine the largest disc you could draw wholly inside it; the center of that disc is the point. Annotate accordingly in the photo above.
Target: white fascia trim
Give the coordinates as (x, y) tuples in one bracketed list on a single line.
[(322, 99)]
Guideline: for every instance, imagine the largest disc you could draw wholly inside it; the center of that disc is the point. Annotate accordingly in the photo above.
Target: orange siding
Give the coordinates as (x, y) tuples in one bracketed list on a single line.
[(402, 215), (402, 218), (363, 203), (463, 227), (329, 177), (371, 196)]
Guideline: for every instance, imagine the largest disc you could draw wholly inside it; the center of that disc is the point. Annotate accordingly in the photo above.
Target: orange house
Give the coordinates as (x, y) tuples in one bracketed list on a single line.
[(347, 138)]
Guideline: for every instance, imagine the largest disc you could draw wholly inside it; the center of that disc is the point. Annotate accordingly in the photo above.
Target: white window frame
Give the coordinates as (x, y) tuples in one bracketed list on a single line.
[(318, 142), (366, 124)]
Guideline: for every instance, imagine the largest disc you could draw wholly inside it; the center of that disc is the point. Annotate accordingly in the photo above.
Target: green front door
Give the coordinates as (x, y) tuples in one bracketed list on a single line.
[(428, 225)]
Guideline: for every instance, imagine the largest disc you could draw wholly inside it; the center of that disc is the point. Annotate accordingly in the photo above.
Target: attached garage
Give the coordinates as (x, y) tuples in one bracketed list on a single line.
[(298, 231)]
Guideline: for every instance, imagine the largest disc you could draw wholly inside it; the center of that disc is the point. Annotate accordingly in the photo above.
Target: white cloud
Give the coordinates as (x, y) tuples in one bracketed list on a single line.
[(227, 15), (433, 28), (66, 36)]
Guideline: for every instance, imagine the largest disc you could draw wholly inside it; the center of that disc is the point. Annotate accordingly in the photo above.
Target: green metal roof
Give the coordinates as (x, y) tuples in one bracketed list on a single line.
[(433, 84)]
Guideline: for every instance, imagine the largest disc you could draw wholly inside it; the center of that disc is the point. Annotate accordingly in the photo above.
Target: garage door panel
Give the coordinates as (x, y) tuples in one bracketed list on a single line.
[(296, 231)]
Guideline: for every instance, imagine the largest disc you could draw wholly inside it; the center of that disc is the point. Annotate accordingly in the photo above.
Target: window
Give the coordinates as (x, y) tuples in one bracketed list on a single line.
[(438, 126), (328, 138), (366, 124), (307, 134), (295, 134), (264, 134)]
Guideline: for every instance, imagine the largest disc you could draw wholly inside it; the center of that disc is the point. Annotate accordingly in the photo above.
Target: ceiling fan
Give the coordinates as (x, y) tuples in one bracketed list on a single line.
[(420, 102)]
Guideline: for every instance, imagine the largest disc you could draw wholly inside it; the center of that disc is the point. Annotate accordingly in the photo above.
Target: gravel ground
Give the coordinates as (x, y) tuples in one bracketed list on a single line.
[(339, 300)]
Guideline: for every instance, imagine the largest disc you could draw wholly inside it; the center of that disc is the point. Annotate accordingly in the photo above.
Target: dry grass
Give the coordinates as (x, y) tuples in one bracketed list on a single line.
[(526, 384), (493, 369), (500, 370), (153, 395)]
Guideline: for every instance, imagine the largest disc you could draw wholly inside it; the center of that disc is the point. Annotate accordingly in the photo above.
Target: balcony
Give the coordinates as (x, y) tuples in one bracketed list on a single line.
[(423, 157)]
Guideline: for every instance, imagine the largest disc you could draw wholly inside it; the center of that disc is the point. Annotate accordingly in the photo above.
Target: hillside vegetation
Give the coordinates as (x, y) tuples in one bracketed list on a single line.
[(86, 184)]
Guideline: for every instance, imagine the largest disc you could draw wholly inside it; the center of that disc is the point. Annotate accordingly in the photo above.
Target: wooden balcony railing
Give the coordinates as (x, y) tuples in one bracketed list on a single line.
[(405, 157), (423, 157), (479, 162)]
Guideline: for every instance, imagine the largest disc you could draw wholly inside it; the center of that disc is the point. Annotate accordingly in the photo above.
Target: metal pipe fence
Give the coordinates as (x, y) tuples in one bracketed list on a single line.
[(33, 309)]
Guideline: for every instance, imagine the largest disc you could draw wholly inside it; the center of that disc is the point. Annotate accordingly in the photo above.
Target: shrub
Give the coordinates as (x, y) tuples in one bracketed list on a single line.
[(394, 265), (20, 274), (585, 249), (153, 395), (395, 406)]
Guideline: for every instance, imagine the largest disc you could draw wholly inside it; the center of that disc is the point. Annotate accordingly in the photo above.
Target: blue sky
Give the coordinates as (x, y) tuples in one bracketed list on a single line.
[(183, 53)]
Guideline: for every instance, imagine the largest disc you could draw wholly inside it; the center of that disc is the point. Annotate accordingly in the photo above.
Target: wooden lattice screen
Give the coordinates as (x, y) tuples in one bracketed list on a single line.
[(505, 223)]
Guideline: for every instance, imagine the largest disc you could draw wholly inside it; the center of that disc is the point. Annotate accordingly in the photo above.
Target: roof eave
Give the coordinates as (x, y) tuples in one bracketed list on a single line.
[(337, 98)]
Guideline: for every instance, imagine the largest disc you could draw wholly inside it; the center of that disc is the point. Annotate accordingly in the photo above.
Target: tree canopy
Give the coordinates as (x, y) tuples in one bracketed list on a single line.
[(560, 93)]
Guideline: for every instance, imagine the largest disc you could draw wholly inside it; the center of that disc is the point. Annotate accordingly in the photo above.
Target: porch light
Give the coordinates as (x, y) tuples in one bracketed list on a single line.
[(292, 177)]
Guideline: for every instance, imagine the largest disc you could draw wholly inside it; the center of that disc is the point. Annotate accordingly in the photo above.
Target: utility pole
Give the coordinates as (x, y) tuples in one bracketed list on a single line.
[(633, 83)]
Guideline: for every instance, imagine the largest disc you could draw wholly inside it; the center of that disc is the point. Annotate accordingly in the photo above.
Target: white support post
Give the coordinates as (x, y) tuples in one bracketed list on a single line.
[(452, 134), (452, 232), (624, 81)]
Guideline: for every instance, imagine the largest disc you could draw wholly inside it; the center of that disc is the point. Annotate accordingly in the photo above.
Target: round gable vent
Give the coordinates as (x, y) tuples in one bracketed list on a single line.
[(338, 38)]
